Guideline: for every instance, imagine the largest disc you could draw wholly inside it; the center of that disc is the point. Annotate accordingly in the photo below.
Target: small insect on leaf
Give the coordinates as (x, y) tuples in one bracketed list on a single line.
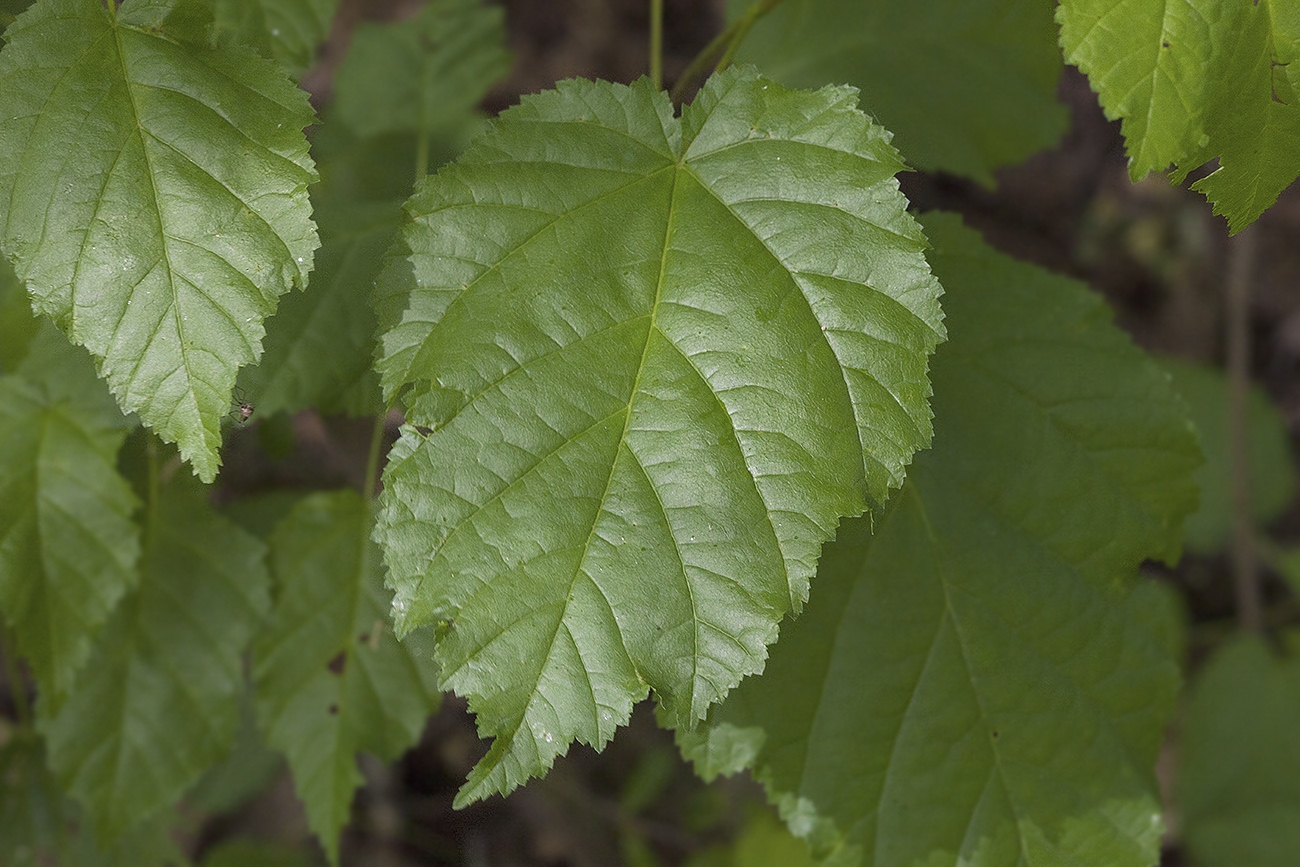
[(243, 410)]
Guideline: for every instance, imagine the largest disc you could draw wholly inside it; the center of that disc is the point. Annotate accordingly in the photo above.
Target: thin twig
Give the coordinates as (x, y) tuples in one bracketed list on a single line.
[(1242, 251)]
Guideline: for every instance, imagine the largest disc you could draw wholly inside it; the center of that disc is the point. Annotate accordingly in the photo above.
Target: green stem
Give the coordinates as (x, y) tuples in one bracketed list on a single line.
[(657, 43), (722, 48)]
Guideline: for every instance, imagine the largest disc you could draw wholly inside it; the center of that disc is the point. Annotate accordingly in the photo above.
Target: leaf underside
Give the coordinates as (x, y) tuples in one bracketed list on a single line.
[(706, 337), (979, 681), (153, 197), (1197, 81)]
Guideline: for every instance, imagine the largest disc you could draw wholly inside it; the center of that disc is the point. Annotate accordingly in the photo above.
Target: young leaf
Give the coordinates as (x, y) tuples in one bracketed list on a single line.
[(425, 74), (977, 682), (331, 680), (707, 338), (158, 703), (68, 546), (1197, 81), (966, 87), (153, 197), (1239, 778)]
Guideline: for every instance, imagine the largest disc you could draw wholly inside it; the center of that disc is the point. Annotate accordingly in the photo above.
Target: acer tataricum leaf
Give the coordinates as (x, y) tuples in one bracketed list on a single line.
[(153, 197), (981, 681), (1196, 81), (706, 337)]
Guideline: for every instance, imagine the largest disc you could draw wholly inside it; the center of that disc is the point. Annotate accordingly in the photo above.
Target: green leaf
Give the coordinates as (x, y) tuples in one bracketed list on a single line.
[(977, 683), (1272, 469), (966, 87), (287, 30), (321, 343), (424, 74), (250, 768), (17, 324), (40, 827), (68, 546), (153, 197), (1239, 778), (1197, 81), (31, 804), (762, 842), (707, 338), (158, 705), (331, 680)]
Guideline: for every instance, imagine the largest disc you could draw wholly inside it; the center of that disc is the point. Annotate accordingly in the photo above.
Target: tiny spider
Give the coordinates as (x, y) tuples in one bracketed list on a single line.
[(243, 410)]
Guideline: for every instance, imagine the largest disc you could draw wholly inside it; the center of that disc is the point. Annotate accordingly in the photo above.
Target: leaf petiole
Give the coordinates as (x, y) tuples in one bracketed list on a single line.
[(721, 49), (657, 43)]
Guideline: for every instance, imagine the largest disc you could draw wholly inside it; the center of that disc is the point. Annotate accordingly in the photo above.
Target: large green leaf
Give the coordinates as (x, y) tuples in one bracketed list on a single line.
[(976, 682), (1239, 775), (157, 704), (705, 339), (1197, 81), (68, 546), (153, 197), (966, 86), (425, 74), (331, 680)]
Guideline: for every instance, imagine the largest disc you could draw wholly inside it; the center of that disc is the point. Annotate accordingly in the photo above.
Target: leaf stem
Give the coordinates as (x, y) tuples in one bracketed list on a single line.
[(721, 48), (1242, 253), (657, 43)]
